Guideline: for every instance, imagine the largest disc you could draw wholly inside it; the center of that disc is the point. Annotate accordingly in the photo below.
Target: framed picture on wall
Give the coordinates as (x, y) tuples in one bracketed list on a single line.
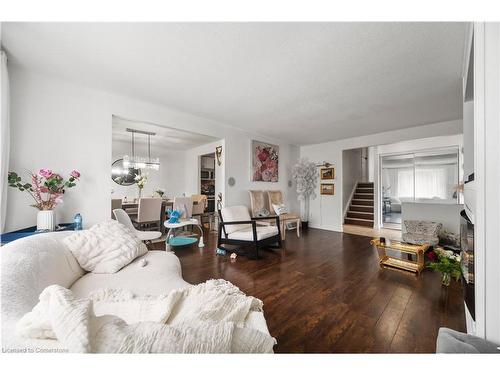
[(328, 173), (327, 189), (265, 162)]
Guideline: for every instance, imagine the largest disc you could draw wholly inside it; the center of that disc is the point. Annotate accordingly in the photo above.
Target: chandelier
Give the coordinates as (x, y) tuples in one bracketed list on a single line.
[(141, 162)]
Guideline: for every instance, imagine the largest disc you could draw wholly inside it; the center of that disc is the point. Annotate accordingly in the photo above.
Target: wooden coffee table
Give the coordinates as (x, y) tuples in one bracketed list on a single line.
[(403, 249)]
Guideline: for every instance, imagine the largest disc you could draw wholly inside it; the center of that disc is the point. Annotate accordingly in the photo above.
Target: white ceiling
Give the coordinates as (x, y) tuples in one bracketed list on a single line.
[(164, 139), (300, 82)]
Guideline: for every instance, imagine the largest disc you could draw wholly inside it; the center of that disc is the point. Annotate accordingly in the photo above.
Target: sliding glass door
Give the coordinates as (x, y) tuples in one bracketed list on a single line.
[(427, 177), (436, 176), (398, 185)]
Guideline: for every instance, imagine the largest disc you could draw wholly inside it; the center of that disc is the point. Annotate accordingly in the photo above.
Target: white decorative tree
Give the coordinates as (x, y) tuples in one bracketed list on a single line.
[(305, 175)]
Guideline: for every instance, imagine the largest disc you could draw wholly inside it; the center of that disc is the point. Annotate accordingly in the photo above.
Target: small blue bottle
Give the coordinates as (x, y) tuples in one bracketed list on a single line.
[(78, 222)]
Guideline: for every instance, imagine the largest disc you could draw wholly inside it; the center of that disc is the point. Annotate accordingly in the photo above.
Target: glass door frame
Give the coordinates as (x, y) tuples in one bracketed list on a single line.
[(411, 152)]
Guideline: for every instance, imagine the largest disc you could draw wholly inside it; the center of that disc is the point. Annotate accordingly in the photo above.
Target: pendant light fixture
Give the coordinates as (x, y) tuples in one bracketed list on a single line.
[(141, 162)]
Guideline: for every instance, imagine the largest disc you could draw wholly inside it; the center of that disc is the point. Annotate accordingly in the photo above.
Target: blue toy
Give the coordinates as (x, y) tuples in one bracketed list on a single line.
[(220, 251), (174, 216)]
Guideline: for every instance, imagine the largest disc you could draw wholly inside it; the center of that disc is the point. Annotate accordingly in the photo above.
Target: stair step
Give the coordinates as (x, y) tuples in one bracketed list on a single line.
[(362, 202), (363, 196), (362, 222), (365, 184), (356, 208), (364, 190), (359, 215)]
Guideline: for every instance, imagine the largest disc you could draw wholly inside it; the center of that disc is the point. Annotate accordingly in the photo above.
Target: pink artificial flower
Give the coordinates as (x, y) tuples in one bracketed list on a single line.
[(58, 199), (75, 174), (46, 173)]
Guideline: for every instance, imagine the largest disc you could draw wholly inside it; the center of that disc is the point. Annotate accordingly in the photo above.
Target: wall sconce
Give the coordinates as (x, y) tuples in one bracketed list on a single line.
[(324, 164), (218, 154)]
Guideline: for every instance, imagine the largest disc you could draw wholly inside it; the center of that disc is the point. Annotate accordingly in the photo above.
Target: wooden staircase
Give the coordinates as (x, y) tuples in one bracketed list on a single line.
[(360, 210)]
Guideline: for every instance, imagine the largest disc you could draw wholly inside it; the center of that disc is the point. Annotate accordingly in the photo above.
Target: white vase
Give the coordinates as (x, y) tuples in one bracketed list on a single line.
[(46, 220), (304, 210)]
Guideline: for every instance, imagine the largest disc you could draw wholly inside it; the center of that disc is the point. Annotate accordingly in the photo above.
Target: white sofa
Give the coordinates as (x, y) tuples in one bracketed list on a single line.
[(31, 264)]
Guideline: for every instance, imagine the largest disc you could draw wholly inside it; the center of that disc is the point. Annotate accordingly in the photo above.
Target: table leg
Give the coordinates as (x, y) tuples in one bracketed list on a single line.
[(168, 248), (420, 261), (200, 241), (298, 228), (283, 230)]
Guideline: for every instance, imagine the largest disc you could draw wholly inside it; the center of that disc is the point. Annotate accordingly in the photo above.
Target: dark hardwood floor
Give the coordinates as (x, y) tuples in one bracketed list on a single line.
[(325, 293)]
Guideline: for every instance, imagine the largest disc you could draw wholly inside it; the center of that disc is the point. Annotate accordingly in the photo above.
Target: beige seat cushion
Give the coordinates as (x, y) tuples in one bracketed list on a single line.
[(285, 217), (247, 234)]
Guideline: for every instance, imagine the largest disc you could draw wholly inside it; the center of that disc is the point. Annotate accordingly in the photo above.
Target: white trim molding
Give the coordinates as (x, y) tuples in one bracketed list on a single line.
[(487, 178)]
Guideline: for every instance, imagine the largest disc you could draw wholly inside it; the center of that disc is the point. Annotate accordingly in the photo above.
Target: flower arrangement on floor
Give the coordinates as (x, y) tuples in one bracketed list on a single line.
[(46, 187), (140, 181), (446, 262), (305, 175)]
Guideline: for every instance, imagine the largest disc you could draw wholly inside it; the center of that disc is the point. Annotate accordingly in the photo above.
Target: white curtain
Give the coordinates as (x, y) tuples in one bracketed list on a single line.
[(4, 137)]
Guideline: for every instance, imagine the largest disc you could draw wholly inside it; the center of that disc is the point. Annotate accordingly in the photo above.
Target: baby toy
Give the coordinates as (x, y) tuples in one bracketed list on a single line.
[(220, 251), (174, 216)]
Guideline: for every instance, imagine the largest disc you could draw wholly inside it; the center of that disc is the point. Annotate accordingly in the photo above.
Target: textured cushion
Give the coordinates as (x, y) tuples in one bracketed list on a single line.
[(235, 213), (31, 264), (160, 275), (106, 247), (450, 341), (420, 239), (280, 209), (247, 234), (428, 228)]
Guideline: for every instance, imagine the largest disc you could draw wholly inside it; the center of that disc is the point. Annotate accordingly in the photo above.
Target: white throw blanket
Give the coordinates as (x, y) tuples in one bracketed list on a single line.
[(205, 318)]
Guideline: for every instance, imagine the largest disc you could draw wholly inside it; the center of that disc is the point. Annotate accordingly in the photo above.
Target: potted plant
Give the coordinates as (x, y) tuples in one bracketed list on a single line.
[(140, 181), (46, 189), (305, 175), (446, 262)]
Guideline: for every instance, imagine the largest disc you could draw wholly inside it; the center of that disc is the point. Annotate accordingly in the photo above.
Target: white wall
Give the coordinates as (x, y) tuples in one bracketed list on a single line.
[(326, 211), (238, 159), (352, 172), (446, 214), (468, 125), (63, 126), (193, 169), (171, 176)]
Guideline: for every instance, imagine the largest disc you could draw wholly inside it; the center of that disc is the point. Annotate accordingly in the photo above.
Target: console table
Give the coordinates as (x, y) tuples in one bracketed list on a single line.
[(401, 248)]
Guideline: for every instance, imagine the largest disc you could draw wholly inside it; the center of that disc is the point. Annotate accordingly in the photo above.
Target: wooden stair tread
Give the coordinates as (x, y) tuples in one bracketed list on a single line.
[(361, 207)]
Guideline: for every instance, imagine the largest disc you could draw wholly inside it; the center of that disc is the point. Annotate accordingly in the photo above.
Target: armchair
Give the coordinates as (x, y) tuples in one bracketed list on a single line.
[(237, 227)]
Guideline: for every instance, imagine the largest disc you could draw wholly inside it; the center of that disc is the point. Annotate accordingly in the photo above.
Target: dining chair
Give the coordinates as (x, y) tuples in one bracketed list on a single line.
[(276, 200), (149, 212), (116, 203), (122, 217), (259, 207), (200, 203), (184, 204), (258, 202)]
